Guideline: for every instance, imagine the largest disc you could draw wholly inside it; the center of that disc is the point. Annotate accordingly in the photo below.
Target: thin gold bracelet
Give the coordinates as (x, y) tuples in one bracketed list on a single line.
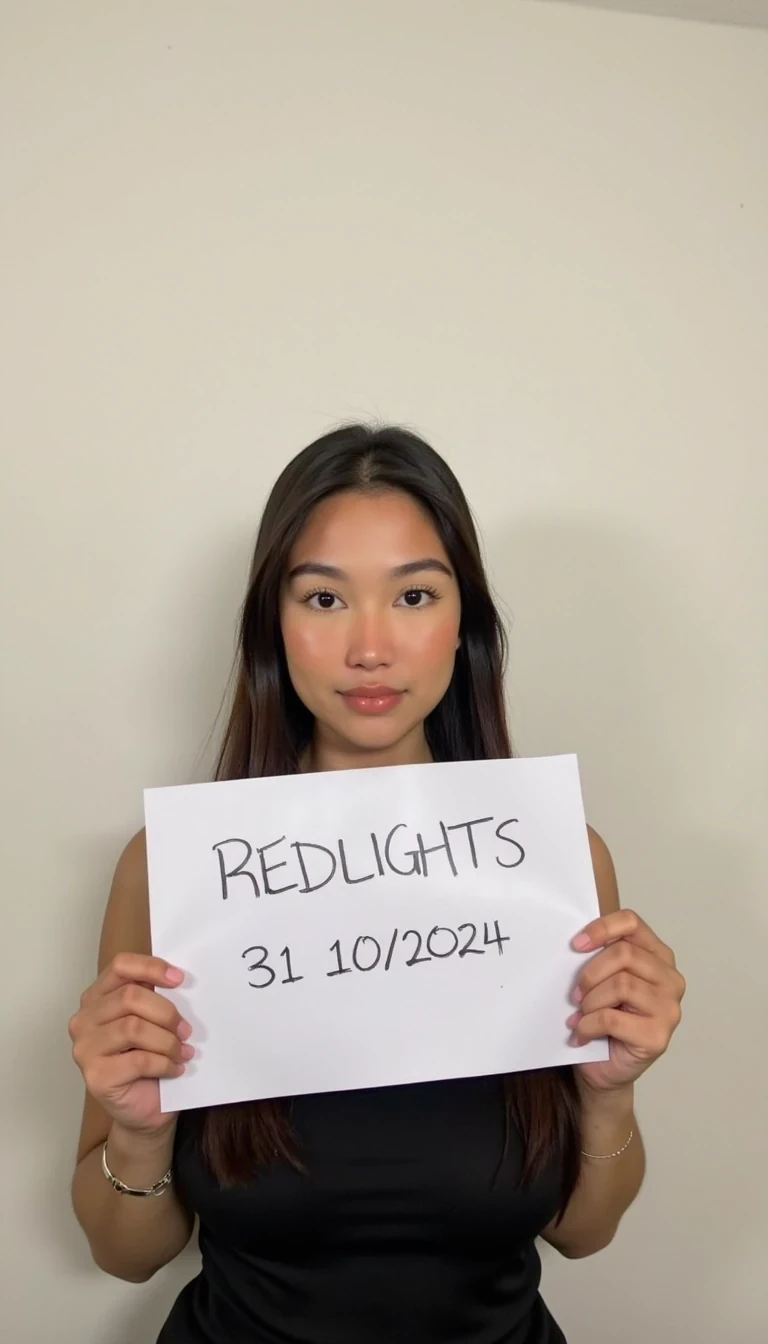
[(606, 1157)]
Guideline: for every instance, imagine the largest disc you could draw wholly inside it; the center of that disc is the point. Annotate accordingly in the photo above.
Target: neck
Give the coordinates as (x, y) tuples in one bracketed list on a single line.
[(334, 754)]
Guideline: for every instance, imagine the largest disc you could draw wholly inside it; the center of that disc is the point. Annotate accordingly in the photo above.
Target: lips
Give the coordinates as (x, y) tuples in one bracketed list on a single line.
[(372, 699), (376, 692)]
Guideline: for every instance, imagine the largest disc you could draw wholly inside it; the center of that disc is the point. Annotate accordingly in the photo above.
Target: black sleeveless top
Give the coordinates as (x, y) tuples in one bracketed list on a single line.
[(406, 1228)]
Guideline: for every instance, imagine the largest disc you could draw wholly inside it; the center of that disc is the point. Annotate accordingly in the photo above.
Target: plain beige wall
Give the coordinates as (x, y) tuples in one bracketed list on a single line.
[(539, 234)]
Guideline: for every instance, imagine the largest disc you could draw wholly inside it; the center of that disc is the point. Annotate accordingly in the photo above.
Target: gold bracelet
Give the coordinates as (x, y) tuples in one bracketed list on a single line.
[(606, 1157), (122, 1189)]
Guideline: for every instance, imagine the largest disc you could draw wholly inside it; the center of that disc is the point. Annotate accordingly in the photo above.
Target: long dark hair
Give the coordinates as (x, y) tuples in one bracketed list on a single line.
[(269, 728)]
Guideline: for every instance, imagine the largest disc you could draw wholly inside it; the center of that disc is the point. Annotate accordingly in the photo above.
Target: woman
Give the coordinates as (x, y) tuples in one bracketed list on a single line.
[(368, 637)]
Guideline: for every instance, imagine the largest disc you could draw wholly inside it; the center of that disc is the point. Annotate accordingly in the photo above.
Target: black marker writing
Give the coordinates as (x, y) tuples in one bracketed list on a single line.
[(240, 871), (345, 871), (435, 849), (300, 846), (404, 872), (262, 967), (467, 825), (510, 841), (265, 871), (377, 854), (439, 944), (316, 865)]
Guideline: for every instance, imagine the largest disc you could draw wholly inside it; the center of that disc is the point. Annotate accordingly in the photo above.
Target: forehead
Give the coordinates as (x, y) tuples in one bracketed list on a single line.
[(387, 527)]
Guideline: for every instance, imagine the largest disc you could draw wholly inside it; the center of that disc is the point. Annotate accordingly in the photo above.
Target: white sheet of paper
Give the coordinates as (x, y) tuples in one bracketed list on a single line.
[(377, 975)]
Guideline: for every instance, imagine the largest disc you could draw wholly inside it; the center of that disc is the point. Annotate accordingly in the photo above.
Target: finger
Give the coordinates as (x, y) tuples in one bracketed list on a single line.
[(622, 924), (134, 966), (134, 1000), (647, 1034), (617, 957), (622, 988), (134, 1033), (105, 1074)]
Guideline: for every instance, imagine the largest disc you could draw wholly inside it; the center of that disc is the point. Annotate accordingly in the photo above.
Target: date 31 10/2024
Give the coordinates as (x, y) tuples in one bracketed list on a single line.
[(366, 952)]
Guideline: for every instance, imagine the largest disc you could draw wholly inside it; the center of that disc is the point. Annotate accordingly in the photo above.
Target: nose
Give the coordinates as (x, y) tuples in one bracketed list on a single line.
[(370, 641)]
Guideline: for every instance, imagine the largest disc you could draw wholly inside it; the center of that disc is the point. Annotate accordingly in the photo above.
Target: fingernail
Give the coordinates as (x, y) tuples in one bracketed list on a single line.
[(178, 1070), (573, 1019), (187, 1051), (577, 995), (174, 976), (184, 1029), (581, 941), (573, 1039)]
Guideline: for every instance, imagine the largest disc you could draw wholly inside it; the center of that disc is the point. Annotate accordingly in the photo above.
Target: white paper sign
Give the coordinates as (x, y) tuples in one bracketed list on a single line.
[(359, 928)]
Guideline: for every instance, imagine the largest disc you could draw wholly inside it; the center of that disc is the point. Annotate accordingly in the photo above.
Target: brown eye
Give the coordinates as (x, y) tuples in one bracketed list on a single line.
[(418, 597), (321, 600)]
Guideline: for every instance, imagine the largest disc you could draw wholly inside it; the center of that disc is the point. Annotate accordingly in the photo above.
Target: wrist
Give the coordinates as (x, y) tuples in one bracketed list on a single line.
[(608, 1123), (140, 1157), (617, 1103), (143, 1140)]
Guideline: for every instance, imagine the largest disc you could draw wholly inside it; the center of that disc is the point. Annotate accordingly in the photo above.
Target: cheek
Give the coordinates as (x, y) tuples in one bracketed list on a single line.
[(435, 643), (307, 646)]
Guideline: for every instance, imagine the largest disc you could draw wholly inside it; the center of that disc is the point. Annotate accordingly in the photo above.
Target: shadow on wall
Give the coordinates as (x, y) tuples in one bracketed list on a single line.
[(615, 654)]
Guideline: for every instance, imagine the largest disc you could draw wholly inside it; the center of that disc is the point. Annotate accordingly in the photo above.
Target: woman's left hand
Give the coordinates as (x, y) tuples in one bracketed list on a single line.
[(629, 991)]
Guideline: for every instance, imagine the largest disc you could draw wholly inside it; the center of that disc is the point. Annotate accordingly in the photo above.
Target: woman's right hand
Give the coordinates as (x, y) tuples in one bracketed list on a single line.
[(125, 1037)]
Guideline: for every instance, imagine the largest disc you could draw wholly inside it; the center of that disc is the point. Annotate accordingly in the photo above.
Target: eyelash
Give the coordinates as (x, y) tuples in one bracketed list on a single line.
[(412, 588)]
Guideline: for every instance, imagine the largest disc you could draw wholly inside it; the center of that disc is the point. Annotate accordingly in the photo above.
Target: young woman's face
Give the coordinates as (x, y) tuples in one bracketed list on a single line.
[(370, 616)]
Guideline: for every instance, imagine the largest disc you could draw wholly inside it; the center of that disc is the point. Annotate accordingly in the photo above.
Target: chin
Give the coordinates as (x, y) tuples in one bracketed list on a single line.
[(375, 734)]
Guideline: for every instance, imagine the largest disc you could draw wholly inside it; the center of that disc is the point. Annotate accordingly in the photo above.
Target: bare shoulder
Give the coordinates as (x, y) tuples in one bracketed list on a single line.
[(605, 873), (132, 863), (126, 919)]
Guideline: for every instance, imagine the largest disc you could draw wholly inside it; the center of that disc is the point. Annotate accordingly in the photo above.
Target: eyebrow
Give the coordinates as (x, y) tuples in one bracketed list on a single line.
[(426, 564)]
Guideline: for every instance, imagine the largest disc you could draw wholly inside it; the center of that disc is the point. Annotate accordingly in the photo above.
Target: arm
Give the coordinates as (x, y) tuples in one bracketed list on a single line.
[(129, 1237), (605, 1189), (630, 991)]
